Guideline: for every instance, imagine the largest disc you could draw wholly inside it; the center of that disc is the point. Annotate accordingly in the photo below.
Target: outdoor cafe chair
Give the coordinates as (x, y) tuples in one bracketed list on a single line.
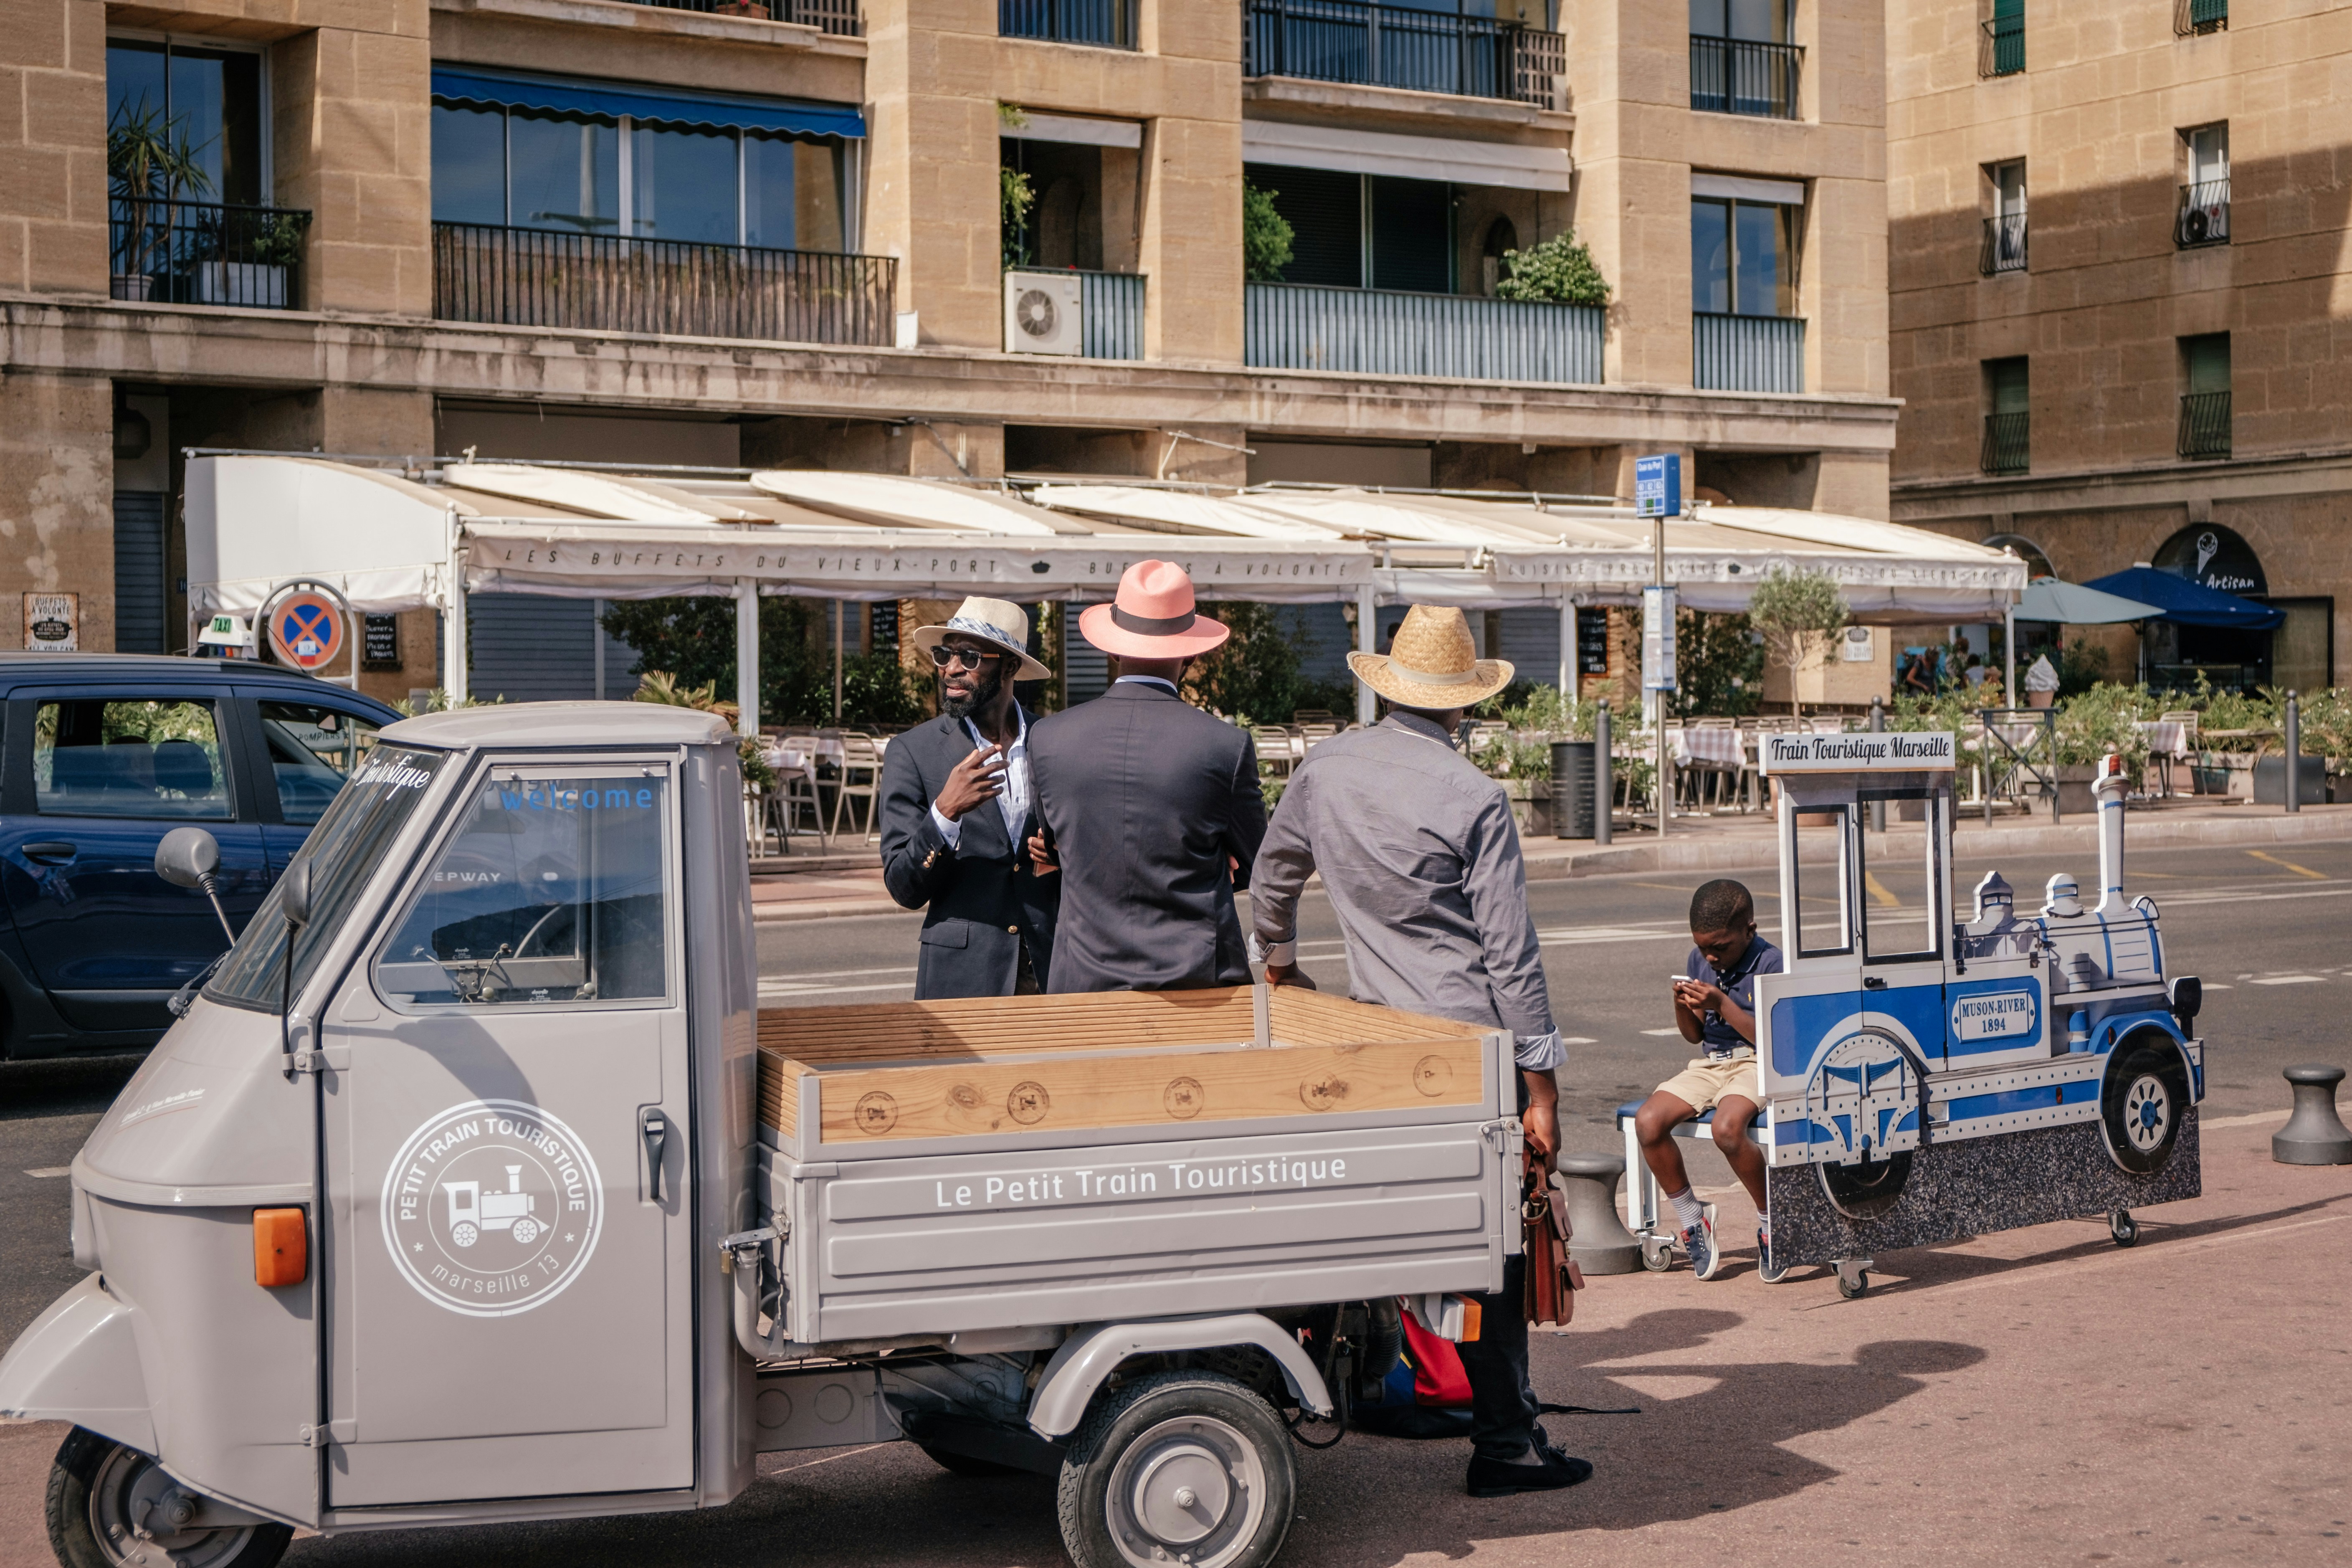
[(861, 778)]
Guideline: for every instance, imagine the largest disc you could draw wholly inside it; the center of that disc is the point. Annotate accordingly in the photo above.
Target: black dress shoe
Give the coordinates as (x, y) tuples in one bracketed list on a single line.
[(1496, 1478)]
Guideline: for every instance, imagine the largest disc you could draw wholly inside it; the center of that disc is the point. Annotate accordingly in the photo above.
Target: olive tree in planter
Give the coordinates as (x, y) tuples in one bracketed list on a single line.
[(1799, 610)]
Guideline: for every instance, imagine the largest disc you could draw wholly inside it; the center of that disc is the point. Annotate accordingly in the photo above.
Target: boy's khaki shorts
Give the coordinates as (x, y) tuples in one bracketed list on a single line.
[(1707, 1079)]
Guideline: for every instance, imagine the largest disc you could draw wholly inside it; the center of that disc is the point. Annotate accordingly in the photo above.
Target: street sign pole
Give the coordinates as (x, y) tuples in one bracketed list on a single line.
[(1658, 495)]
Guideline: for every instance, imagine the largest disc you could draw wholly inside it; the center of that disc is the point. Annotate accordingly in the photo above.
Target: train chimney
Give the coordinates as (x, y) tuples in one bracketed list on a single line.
[(2109, 789)]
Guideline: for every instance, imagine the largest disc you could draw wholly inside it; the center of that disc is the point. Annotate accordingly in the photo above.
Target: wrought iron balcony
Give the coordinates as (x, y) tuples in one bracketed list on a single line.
[(836, 16), (1732, 76), (2204, 217), (2193, 18), (1393, 46), (206, 252), (2008, 444), (2205, 425), (1378, 331), (1747, 353), (535, 278), (2002, 50), (1110, 24), (2004, 244)]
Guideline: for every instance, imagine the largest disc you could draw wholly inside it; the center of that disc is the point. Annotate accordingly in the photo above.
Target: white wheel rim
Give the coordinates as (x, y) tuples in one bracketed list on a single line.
[(129, 1494), (2148, 1112), (1191, 1489)]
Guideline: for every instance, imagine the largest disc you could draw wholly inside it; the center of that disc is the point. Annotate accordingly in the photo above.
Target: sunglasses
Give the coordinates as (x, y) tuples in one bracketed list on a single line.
[(969, 657)]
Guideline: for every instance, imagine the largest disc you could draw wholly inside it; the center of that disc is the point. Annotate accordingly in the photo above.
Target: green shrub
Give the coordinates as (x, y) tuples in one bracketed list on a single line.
[(693, 640), (1560, 271), (1267, 236), (1799, 610)]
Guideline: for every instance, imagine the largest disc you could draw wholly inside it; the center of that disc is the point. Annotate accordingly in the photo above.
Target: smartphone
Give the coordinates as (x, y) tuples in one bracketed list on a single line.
[(1679, 979)]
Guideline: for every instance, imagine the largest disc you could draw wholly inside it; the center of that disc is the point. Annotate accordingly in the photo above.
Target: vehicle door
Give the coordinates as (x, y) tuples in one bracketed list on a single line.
[(95, 777), (508, 1270), (303, 749), (1805, 1012)]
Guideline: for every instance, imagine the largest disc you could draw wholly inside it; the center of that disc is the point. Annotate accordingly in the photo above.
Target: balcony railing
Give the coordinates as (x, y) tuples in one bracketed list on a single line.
[(2004, 244), (2205, 425), (1391, 46), (2190, 18), (1299, 326), (836, 16), (1747, 353), (206, 252), (2204, 214), (1732, 76), (533, 277), (2002, 50), (1107, 23), (1112, 304), (2008, 445)]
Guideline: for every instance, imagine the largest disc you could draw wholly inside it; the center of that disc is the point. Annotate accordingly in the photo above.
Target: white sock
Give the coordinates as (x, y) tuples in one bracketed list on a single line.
[(1686, 1208), (1764, 1220)]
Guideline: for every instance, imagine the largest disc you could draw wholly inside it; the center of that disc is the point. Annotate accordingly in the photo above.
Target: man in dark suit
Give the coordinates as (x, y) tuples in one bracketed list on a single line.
[(1150, 807), (956, 809)]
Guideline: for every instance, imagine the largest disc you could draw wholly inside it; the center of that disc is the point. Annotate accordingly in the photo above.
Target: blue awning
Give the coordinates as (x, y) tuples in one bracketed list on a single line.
[(2187, 604), (581, 95)]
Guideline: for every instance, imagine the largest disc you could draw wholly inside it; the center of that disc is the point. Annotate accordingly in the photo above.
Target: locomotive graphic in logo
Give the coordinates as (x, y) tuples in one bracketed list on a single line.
[(491, 1208)]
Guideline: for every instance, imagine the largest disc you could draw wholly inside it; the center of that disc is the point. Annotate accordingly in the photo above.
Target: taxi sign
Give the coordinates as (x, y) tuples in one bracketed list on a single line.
[(1882, 751), (306, 630)]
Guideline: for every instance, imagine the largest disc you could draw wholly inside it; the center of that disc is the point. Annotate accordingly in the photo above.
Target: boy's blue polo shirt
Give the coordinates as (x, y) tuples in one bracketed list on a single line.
[(1719, 1038)]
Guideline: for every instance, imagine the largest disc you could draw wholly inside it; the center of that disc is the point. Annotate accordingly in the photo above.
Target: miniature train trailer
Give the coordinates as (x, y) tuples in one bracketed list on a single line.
[(1928, 1079)]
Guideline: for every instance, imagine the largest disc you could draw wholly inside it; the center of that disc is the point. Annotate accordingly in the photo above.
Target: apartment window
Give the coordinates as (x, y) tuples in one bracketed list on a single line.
[(2001, 51), (2004, 249), (2008, 434), (2205, 406), (1363, 231), (203, 107), (2194, 18), (1744, 256), (1741, 61), (1109, 24), (2204, 214)]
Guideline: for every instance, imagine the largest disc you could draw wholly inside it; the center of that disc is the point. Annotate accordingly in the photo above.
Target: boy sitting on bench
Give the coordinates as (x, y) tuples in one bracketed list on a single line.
[(1714, 1007)]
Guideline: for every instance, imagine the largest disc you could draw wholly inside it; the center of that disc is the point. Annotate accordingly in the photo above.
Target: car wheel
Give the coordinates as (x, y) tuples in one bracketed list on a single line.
[(2141, 1105), (1181, 1467), (113, 1506)]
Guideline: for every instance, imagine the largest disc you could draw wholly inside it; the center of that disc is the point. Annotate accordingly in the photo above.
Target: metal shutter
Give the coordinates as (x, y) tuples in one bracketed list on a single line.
[(1326, 210), (139, 517)]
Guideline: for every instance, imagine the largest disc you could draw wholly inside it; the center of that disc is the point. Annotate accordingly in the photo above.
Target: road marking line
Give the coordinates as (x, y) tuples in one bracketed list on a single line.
[(1879, 891), (2292, 980), (1589, 1040), (1661, 1031), (2298, 870), (2243, 1120), (767, 991), (48, 1172)]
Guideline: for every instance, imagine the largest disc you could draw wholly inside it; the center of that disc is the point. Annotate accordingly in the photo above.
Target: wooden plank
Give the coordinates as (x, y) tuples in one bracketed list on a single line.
[(951, 1098), (780, 1093), (1185, 1017)]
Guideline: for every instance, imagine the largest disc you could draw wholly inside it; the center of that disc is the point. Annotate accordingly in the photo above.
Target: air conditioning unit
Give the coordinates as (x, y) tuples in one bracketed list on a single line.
[(1042, 313)]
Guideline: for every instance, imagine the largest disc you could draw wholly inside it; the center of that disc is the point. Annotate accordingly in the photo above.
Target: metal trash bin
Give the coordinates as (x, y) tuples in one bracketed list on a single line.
[(1571, 789)]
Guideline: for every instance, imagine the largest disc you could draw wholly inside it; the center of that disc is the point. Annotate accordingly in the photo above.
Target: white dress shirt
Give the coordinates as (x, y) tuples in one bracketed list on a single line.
[(1013, 800)]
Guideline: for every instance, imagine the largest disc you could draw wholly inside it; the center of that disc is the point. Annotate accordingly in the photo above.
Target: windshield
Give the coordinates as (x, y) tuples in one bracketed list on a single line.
[(343, 850)]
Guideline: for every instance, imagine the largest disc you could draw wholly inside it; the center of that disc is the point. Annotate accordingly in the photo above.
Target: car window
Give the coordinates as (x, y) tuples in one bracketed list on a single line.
[(313, 750), (125, 756), (553, 890)]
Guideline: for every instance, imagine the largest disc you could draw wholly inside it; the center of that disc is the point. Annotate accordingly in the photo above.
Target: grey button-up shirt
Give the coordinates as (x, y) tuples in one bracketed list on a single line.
[(1421, 859)]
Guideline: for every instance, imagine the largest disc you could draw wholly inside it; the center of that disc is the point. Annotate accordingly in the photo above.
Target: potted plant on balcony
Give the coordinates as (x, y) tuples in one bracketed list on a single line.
[(757, 8), (150, 163), (246, 257), (1559, 271)]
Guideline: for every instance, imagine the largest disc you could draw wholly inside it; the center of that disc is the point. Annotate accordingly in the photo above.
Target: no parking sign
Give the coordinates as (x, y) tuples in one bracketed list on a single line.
[(307, 630)]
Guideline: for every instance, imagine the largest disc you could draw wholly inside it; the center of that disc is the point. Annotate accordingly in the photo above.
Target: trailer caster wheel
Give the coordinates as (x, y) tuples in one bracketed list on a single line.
[(2123, 1228), (1852, 1278), (1657, 1254), (113, 1506), (1179, 1466)]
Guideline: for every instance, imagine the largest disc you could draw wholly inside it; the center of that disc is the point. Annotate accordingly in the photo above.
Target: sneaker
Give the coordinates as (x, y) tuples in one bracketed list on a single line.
[(1699, 1242), (1771, 1269), (1498, 1478)]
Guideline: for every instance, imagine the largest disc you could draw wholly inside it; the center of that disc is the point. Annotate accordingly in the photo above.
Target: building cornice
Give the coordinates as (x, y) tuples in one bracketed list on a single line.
[(2150, 484)]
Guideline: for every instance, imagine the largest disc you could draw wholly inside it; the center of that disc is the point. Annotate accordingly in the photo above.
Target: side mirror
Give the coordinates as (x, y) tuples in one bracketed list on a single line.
[(187, 857), (294, 893)]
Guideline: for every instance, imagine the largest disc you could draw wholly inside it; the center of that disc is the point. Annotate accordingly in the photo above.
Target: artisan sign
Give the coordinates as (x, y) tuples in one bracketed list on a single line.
[(1893, 751)]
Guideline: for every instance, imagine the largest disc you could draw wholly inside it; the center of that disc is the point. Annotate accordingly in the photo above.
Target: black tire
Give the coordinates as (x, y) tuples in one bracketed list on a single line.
[(93, 1485), (965, 1465), (1867, 1189), (2141, 1105), (1383, 1343), (2123, 1228), (1657, 1256), (1163, 1438), (1858, 1289)]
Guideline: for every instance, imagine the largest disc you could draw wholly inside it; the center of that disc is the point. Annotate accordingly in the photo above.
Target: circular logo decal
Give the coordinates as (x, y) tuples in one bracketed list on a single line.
[(876, 1113), (1182, 1096), (492, 1207), (1433, 1075), (1028, 1103)]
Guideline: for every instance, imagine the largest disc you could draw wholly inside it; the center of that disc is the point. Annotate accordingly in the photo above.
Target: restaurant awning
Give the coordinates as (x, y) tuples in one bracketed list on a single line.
[(2187, 604), (2073, 605)]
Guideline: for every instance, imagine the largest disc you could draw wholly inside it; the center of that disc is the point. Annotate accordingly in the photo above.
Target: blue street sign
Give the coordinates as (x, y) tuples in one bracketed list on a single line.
[(1658, 485)]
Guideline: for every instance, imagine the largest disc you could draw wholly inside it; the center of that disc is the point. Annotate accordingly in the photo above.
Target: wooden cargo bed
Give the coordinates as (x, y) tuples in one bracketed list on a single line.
[(858, 1075)]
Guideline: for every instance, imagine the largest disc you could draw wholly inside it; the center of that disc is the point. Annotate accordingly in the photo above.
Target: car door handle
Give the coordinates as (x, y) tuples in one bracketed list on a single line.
[(50, 852), (655, 1128), (1873, 982)]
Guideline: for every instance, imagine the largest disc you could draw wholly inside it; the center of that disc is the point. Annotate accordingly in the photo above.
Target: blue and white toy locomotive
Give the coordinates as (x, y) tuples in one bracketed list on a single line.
[(1929, 1080)]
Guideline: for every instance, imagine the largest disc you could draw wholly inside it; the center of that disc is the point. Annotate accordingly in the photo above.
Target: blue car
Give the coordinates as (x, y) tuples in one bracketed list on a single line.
[(103, 754)]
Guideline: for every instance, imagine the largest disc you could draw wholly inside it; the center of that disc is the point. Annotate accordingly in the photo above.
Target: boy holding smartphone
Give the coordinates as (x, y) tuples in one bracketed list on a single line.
[(1715, 1008)]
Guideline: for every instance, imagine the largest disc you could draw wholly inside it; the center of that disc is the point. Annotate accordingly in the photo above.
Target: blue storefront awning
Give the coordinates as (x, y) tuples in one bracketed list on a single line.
[(2187, 604), (581, 95)]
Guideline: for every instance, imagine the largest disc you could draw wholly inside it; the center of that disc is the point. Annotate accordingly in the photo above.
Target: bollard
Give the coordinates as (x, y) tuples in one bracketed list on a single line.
[(2293, 793), (1604, 782), (1598, 1239), (1571, 789), (2314, 1135), (1878, 725)]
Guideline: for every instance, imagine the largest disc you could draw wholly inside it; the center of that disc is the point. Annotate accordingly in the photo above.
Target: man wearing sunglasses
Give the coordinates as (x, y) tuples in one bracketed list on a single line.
[(957, 811)]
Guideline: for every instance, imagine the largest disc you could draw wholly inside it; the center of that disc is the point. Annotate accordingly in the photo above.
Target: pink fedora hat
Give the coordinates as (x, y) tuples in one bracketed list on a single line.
[(1153, 617)]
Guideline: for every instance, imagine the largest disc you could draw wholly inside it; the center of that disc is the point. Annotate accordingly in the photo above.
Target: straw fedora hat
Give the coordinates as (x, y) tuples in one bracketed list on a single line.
[(1432, 665), (1153, 617), (995, 621)]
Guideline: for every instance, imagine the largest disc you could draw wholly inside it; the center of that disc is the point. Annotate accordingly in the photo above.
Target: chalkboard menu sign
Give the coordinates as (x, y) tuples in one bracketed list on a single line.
[(381, 648), (882, 623), (1592, 641)]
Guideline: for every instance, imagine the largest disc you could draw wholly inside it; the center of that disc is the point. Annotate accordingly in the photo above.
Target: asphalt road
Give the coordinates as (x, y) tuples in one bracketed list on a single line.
[(2262, 928)]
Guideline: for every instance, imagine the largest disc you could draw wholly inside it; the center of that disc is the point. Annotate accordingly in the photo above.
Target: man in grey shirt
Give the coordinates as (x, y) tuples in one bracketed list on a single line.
[(1420, 859)]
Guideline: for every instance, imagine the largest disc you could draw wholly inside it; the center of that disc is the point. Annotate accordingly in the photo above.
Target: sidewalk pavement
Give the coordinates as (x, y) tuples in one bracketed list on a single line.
[(849, 881)]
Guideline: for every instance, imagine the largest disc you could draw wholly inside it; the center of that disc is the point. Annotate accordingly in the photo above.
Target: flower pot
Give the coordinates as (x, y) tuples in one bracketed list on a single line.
[(240, 283), (132, 286), (2075, 780)]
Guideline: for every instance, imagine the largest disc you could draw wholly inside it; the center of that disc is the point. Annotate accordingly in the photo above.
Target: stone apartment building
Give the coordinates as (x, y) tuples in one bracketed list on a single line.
[(769, 233), (2121, 302)]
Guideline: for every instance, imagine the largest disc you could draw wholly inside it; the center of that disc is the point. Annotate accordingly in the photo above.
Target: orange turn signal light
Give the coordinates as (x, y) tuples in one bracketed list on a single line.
[(1471, 1315), (281, 1248)]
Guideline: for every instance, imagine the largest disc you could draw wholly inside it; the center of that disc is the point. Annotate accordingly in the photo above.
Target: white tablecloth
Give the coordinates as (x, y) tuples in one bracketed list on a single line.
[(2165, 737), (1718, 748)]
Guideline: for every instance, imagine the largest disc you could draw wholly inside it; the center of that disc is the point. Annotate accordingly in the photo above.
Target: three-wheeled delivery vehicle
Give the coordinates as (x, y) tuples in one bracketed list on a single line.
[(504, 1201), (1928, 1078)]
